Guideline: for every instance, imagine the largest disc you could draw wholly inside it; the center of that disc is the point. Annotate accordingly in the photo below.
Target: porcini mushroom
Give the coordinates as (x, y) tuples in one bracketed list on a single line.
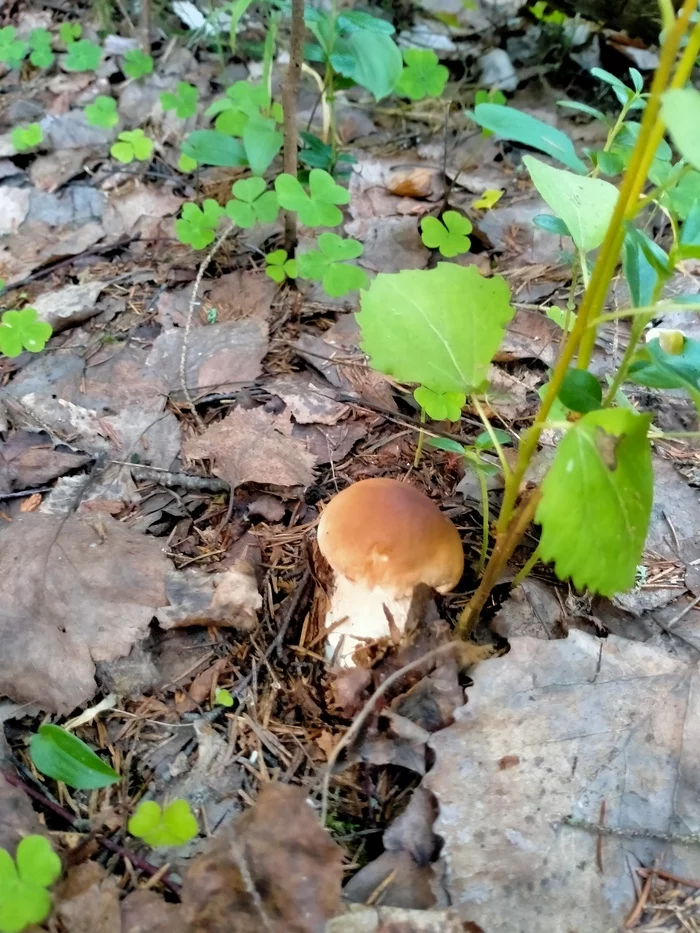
[(382, 538)]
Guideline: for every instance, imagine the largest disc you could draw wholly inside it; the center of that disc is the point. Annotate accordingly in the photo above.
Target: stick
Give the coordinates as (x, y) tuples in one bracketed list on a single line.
[(289, 100)]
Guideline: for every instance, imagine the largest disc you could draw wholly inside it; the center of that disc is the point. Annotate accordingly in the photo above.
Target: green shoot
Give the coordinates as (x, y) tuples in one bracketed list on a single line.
[(160, 828)]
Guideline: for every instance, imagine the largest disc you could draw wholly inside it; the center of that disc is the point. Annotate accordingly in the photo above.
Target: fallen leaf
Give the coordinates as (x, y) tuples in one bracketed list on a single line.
[(590, 721), (229, 598), (17, 816), (399, 920), (239, 295), (68, 306), (87, 900), (531, 609), (294, 866), (252, 446), (50, 172), (15, 204), (412, 183), (28, 459), (310, 400), (74, 591), (144, 911)]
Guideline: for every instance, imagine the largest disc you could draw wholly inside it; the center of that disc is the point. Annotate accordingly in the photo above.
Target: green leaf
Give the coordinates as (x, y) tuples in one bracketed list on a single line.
[(27, 137), (444, 443), (102, 112), (440, 406), (580, 391), (557, 412), (173, 826), (223, 697), (423, 76), (63, 756), (488, 199), (551, 224), (12, 50), (37, 862), (641, 274), (210, 147), (684, 195), (372, 59), (24, 900), (261, 141), (449, 234), (585, 205), (186, 164), (196, 226), (484, 441), (279, 267), (20, 330), (519, 127), (559, 316), (183, 101), (621, 91), (652, 366), (40, 43), (132, 144), (596, 501), (610, 163), (82, 55), (137, 64), (317, 208), (69, 32), (356, 19), (327, 265), (437, 327), (252, 203), (680, 111), (583, 108)]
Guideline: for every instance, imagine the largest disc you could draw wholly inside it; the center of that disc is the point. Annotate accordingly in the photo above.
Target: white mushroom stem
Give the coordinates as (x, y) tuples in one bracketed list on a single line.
[(358, 616)]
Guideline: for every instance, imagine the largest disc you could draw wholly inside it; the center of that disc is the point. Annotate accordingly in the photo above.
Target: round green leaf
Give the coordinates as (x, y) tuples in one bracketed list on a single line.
[(580, 391), (36, 861), (248, 189), (63, 756)]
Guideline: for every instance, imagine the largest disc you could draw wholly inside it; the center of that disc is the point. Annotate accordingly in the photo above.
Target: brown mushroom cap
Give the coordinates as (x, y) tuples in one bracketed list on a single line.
[(384, 533)]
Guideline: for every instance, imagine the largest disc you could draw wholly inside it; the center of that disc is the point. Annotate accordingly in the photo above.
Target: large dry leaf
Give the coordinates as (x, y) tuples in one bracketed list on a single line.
[(28, 459), (87, 900), (557, 728), (73, 592), (253, 446), (229, 599), (17, 816), (290, 859)]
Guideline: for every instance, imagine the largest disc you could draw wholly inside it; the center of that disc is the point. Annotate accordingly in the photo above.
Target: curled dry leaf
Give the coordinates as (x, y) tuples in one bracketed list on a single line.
[(280, 848), (252, 446), (229, 599)]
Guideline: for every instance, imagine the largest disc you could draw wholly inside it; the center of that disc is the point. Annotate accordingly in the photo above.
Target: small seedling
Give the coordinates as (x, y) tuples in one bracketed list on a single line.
[(69, 32), (196, 227), (132, 144), (328, 265), (137, 64), (251, 203), (183, 101), (423, 76), (20, 330), (82, 55), (172, 826), (41, 55), (64, 757), (186, 164), (27, 137), (223, 697), (440, 406), (102, 112), (449, 234), (317, 154), (279, 267), (24, 899), (12, 49), (317, 208)]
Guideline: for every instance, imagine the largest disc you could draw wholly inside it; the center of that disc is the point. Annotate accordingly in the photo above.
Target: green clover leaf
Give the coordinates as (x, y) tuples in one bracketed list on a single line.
[(40, 43), (137, 64), (27, 137), (172, 826), (317, 208), (327, 265), (449, 234), (69, 32), (422, 76), (20, 330), (102, 112), (494, 96), (440, 406), (243, 100), (186, 164), (24, 900), (252, 203), (82, 55), (223, 697), (196, 226), (130, 145), (183, 101), (12, 49), (279, 267)]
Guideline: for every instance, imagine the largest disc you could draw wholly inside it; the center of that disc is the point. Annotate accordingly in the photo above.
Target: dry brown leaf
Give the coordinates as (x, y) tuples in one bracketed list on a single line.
[(294, 866), (28, 459), (87, 900), (17, 816), (144, 911), (412, 183), (253, 446), (241, 294), (73, 591), (398, 920), (229, 599)]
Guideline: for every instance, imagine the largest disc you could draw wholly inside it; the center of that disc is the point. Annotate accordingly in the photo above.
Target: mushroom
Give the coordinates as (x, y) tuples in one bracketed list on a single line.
[(382, 538)]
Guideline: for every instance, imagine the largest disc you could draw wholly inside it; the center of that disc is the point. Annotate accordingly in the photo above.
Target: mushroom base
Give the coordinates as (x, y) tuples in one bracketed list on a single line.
[(358, 616)]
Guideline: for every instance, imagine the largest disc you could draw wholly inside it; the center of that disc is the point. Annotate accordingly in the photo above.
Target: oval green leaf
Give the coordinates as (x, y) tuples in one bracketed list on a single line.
[(63, 756), (680, 111), (210, 147), (580, 391)]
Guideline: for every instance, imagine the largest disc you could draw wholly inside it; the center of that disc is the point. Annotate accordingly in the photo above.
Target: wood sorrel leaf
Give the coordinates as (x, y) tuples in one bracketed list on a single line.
[(439, 327), (596, 501), (585, 205)]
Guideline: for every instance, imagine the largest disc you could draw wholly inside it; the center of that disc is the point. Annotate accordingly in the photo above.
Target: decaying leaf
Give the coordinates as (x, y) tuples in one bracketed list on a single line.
[(281, 850), (230, 598), (399, 920), (28, 459), (556, 729), (74, 591), (87, 900), (253, 446), (145, 911), (70, 305), (17, 816)]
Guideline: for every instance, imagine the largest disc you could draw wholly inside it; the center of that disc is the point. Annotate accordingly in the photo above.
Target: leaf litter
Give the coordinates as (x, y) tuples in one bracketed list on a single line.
[(165, 603)]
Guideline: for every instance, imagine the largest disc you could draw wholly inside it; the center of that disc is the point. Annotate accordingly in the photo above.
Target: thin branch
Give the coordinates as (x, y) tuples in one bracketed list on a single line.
[(289, 100)]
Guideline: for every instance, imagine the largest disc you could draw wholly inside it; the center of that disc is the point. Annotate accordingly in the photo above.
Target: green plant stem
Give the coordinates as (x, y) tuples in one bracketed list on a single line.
[(421, 440), (658, 311), (485, 520), (492, 434), (527, 568), (612, 134)]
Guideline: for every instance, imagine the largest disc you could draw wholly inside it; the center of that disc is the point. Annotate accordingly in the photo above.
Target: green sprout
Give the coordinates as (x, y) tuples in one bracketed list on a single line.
[(251, 203), (328, 265), (69, 32), (317, 208), (279, 267), (183, 101), (27, 137), (440, 406), (222, 697), (24, 899), (137, 64), (172, 826), (449, 234), (422, 76), (82, 55), (196, 226), (41, 55), (102, 112), (132, 144), (12, 49), (20, 330)]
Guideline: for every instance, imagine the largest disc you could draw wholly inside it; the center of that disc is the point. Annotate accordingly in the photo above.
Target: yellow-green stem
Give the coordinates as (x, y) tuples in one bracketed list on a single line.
[(526, 568), (485, 520), (492, 434)]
